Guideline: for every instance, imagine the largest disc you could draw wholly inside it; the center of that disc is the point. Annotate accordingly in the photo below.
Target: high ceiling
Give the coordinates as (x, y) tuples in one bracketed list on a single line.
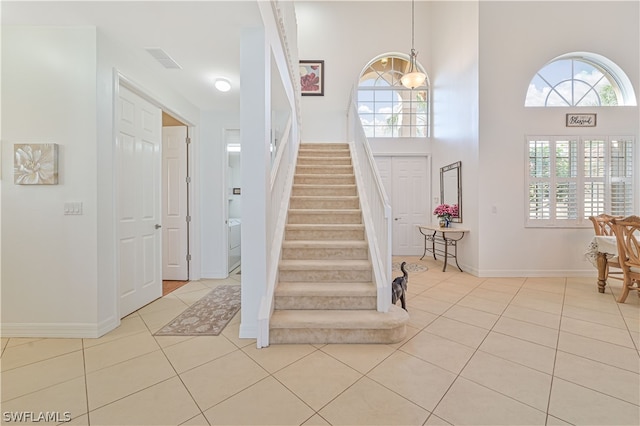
[(203, 37)]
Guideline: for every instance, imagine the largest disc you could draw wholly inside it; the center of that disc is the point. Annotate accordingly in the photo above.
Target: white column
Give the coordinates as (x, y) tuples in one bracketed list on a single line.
[(255, 106)]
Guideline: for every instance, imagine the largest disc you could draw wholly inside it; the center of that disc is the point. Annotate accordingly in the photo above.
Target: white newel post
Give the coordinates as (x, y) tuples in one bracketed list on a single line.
[(255, 77)]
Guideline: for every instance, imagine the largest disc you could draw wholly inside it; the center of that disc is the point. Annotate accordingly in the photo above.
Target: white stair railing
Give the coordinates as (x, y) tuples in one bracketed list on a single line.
[(376, 209), (279, 18)]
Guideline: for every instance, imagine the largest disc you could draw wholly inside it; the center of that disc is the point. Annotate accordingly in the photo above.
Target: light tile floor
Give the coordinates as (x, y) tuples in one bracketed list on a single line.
[(478, 351)]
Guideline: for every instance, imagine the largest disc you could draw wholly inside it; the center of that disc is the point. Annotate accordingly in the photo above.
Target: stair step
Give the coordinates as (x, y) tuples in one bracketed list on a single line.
[(325, 270), (325, 291), (325, 295), (319, 190), (327, 161), (325, 264), (330, 179), (323, 153), (325, 249), (303, 231), (338, 326), (352, 216), (324, 169), (324, 202), (323, 146)]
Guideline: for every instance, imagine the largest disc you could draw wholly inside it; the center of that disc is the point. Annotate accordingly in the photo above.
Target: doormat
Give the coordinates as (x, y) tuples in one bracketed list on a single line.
[(410, 267), (208, 316)]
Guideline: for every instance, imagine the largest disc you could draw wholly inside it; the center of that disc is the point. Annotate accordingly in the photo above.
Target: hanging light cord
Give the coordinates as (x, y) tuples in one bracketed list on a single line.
[(412, 65), (413, 19)]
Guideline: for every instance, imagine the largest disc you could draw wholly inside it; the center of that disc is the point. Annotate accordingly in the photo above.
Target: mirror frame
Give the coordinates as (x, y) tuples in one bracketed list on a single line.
[(453, 168)]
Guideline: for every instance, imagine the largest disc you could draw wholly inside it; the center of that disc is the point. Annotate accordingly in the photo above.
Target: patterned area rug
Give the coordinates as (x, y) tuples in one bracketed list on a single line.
[(208, 316), (410, 267)]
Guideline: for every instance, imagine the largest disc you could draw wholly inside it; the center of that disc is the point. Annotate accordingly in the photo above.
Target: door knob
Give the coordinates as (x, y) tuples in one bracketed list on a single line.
[(158, 226), (397, 218)]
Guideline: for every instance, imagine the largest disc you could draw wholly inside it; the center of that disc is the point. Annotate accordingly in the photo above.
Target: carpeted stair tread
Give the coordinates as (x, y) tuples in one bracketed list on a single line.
[(325, 211), (324, 243), (338, 190), (326, 291), (327, 160), (339, 319), (329, 176), (324, 197), (324, 231), (350, 288), (326, 226), (324, 264), (324, 169)]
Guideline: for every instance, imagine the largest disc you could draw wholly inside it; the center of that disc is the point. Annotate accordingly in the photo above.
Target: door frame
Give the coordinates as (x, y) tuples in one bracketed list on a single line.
[(120, 79), (225, 199), (428, 173)]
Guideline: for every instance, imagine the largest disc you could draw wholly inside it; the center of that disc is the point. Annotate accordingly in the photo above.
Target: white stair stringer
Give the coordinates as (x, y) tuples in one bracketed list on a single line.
[(326, 291)]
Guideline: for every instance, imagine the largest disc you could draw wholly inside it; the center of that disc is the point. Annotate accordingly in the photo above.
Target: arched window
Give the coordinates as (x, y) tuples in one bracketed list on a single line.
[(387, 109), (580, 80)]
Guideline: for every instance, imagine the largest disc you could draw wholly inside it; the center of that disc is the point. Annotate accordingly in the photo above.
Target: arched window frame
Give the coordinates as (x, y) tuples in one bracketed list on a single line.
[(407, 111), (620, 83)]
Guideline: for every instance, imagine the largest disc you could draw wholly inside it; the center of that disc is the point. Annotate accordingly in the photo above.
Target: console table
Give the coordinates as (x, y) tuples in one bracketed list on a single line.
[(444, 241)]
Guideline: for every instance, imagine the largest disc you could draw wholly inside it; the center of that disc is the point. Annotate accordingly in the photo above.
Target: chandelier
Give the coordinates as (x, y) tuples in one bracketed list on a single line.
[(413, 78)]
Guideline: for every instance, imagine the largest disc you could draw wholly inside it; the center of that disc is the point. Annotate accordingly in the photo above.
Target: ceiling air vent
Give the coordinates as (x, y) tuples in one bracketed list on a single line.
[(162, 57)]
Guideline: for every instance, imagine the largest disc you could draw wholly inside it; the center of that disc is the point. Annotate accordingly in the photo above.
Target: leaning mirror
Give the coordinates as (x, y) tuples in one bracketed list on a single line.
[(451, 187)]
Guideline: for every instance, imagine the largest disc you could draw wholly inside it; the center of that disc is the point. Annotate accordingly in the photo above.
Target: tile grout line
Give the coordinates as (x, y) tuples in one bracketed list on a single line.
[(555, 357), (479, 384), (86, 384)]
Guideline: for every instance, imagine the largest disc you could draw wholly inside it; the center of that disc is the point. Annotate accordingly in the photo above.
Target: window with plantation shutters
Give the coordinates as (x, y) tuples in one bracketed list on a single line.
[(572, 178)]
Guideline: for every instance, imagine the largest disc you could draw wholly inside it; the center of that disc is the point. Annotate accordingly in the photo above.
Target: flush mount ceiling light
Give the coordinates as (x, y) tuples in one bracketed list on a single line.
[(413, 78), (222, 84)]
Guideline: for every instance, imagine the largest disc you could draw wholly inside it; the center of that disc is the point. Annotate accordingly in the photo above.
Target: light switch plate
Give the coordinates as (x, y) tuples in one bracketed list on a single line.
[(73, 208)]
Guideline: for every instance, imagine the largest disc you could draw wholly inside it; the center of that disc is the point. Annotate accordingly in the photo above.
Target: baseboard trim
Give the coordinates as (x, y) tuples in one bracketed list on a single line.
[(59, 330), (248, 332)]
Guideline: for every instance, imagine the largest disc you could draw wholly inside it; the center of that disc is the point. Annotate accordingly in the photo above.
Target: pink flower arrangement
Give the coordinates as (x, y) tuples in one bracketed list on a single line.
[(446, 211)]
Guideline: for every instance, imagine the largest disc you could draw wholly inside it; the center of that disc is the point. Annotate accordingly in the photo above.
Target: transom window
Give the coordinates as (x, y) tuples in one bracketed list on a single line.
[(571, 178), (586, 80), (386, 108)]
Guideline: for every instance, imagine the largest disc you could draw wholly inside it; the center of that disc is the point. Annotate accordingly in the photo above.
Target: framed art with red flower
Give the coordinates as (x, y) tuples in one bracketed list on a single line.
[(312, 78)]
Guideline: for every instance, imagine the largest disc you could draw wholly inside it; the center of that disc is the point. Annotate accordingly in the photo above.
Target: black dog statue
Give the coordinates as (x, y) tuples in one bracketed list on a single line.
[(399, 287)]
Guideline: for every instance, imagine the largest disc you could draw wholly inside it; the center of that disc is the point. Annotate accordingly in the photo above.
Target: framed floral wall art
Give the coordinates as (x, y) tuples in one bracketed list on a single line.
[(312, 78), (35, 164)]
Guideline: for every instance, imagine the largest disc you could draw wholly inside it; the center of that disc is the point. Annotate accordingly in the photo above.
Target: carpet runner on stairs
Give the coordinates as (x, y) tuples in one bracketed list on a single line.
[(325, 292)]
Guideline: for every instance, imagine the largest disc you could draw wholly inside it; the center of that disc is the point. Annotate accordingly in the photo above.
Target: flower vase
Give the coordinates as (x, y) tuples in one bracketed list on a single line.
[(442, 222), (447, 222)]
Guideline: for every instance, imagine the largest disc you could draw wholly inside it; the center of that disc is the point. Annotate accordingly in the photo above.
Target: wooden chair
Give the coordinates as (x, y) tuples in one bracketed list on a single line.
[(603, 226), (627, 232)]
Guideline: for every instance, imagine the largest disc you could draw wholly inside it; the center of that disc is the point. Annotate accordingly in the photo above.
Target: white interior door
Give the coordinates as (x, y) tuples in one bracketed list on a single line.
[(406, 180), (138, 174), (175, 249)]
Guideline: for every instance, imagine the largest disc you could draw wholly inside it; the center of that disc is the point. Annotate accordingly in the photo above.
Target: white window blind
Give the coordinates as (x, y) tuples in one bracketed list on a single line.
[(572, 178)]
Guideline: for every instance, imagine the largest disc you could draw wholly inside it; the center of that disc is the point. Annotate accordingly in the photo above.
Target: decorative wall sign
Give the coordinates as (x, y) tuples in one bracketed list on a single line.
[(35, 164), (312, 78), (581, 120)]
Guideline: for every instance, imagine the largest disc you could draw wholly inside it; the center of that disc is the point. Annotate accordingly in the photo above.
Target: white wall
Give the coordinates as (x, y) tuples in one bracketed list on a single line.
[(516, 40), (116, 61), (454, 83), (49, 271), (480, 57), (58, 275), (213, 194), (347, 35)]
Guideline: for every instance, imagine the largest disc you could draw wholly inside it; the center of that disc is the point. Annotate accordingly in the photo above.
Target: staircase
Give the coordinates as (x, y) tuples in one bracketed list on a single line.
[(325, 292)]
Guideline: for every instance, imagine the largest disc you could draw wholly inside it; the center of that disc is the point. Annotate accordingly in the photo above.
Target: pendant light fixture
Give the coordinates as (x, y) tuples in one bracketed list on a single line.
[(413, 78)]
